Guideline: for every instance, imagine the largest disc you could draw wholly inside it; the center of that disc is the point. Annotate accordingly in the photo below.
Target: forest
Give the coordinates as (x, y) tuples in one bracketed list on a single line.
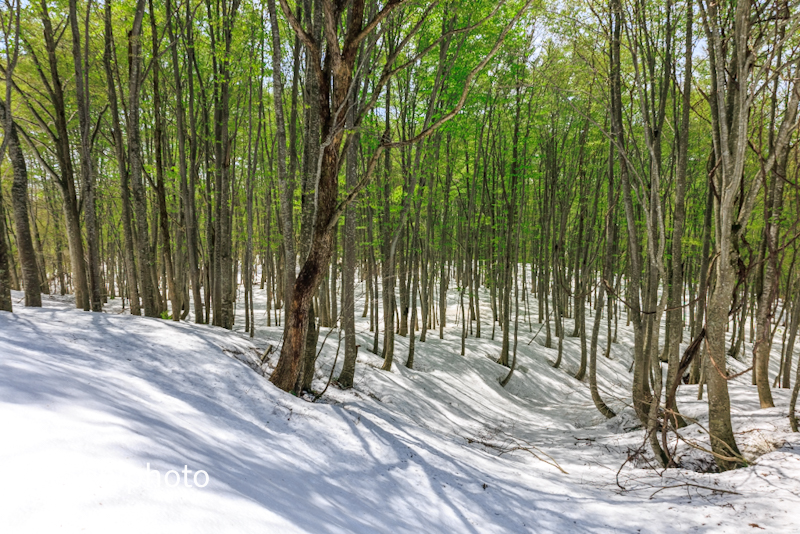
[(359, 189)]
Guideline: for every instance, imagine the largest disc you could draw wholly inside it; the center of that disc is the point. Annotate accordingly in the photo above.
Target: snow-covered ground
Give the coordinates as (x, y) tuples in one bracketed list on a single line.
[(90, 402)]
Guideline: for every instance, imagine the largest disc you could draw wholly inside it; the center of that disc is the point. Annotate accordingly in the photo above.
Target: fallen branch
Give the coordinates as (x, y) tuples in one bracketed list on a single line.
[(689, 484), (517, 446), (333, 367)]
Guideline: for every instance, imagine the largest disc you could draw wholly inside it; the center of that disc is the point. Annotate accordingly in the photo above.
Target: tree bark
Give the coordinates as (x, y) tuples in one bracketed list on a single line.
[(87, 173), (19, 201), (146, 261), (122, 168), (5, 268), (285, 181), (676, 287), (66, 180)]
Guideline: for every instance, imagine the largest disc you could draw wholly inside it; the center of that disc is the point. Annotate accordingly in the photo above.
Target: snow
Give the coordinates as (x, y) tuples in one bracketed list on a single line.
[(88, 401)]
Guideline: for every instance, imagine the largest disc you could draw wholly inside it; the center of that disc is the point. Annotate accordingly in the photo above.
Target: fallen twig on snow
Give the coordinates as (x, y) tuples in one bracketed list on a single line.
[(514, 444)]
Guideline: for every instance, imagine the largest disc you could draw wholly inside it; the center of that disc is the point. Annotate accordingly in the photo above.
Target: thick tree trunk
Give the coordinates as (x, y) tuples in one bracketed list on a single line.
[(19, 201), (331, 93), (311, 273), (729, 106)]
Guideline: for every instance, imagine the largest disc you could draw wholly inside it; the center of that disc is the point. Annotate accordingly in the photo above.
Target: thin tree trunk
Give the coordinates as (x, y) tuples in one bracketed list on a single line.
[(122, 168), (349, 264), (285, 181), (66, 180), (172, 289), (787, 360), (5, 269), (675, 334), (146, 261)]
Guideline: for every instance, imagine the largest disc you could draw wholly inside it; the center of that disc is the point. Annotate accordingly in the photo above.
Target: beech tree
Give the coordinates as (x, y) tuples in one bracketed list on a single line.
[(335, 81), (515, 171)]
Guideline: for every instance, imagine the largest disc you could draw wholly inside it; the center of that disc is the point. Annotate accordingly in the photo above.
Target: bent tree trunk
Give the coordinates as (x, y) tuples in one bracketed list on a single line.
[(331, 93), (285, 374)]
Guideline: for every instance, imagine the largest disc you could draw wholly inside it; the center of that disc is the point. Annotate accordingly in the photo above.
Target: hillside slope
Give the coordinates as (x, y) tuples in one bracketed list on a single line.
[(88, 401)]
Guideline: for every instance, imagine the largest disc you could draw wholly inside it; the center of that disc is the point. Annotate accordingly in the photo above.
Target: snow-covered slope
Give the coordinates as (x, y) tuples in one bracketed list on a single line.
[(89, 401)]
